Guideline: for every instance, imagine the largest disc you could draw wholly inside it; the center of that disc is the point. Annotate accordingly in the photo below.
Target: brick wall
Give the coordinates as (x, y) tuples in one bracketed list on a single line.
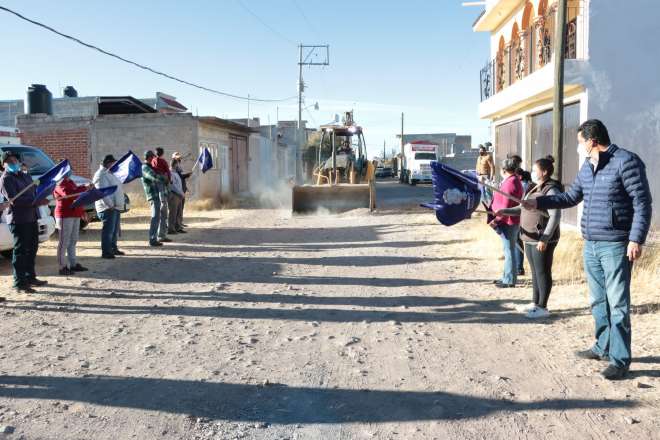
[(61, 144)]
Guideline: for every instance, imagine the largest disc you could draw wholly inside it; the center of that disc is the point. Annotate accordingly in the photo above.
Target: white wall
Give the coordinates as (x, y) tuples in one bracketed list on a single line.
[(623, 79)]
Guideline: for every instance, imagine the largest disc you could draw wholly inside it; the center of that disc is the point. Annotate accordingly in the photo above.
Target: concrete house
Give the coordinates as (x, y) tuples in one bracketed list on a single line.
[(85, 129), (609, 75)]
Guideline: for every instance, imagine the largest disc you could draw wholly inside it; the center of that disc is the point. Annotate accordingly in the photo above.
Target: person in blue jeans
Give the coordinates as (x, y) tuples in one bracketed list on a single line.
[(615, 221)]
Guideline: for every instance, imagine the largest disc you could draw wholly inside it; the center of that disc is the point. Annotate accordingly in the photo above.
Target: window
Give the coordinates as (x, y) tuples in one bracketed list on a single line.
[(425, 156)]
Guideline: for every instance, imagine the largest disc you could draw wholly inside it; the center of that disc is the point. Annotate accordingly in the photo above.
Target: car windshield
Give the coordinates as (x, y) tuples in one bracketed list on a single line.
[(36, 161), (424, 156)]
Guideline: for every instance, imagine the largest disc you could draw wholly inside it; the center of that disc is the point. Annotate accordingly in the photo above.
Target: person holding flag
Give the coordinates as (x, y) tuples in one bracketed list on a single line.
[(67, 219), (19, 190), (108, 208), (151, 182), (506, 226), (161, 167)]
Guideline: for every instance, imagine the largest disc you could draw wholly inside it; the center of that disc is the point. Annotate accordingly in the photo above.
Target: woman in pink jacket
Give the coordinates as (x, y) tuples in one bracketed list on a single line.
[(508, 226)]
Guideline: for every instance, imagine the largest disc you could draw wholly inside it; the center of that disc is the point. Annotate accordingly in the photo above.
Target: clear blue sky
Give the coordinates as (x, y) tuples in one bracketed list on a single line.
[(418, 56)]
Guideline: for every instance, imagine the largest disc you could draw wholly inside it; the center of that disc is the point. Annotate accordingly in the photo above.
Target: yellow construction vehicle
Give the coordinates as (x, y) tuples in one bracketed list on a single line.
[(342, 181)]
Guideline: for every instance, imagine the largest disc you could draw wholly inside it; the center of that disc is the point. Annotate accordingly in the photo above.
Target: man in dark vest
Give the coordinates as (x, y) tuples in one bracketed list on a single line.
[(615, 222), (22, 220)]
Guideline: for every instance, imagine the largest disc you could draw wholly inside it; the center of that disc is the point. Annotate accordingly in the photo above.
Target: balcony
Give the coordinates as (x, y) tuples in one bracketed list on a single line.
[(524, 55)]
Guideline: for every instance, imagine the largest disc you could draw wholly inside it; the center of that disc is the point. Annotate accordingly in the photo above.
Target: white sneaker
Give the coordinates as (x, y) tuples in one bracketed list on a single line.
[(526, 308), (537, 312)]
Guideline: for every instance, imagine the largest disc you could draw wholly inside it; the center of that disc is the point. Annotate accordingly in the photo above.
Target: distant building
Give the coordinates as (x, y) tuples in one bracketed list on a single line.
[(448, 143), (9, 110)]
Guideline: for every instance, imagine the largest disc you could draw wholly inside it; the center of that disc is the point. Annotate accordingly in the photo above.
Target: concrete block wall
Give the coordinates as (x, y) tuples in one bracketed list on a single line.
[(116, 134)]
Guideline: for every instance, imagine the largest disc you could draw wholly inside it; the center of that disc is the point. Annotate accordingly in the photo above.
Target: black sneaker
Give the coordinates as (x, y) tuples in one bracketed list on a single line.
[(521, 272), (589, 354), (612, 372), (108, 256), (118, 252), (165, 240), (172, 232), (181, 231), (79, 268), (37, 282), (155, 243), (501, 285), (66, 271), (24, 288)]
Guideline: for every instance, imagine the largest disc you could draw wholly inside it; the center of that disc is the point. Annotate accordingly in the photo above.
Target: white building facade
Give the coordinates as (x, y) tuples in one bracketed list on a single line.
[(610, 74)]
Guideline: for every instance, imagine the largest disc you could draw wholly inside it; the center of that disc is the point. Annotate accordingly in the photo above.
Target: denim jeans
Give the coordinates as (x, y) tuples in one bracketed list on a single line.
[(509, 236), (24, 254), (608, 274), (110, 219), (155, 219)]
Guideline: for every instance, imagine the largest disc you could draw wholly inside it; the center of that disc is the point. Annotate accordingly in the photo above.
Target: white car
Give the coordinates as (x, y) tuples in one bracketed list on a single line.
[(46, 228)]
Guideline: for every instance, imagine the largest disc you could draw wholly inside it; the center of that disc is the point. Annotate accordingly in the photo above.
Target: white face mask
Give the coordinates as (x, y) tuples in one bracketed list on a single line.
[(535, 177)]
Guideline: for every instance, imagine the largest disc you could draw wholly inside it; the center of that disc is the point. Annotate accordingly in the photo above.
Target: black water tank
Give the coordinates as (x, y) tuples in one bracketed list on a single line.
[(40, 100), (70, 92)]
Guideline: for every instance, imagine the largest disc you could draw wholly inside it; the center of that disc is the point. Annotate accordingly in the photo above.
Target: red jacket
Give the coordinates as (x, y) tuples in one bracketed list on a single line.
[(513, 187), (161, 167), (63, 207)]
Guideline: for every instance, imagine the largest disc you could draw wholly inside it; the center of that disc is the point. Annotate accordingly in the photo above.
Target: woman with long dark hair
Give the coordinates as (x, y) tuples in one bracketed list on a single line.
[(540, 234)]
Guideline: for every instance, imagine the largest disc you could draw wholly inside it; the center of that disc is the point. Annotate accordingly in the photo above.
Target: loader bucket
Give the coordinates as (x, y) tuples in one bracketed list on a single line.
[(333, 198)]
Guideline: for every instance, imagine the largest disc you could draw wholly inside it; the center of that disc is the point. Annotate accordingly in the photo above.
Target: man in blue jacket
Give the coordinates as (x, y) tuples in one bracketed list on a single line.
[(616, 218)]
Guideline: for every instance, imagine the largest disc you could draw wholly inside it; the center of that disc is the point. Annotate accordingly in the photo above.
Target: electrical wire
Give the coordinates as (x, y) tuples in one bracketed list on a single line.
[(304, 16), (266, 25), (138, 65)]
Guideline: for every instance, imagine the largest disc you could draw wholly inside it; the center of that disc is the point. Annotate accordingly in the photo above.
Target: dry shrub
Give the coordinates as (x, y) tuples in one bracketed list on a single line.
[(568, 267)]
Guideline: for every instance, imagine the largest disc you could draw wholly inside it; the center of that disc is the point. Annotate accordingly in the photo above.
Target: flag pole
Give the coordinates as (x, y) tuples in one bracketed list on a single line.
[(21, 192), (510, 197)]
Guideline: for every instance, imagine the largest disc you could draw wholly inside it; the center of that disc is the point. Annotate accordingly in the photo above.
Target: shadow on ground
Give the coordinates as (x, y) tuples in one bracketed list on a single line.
[(275, 404)]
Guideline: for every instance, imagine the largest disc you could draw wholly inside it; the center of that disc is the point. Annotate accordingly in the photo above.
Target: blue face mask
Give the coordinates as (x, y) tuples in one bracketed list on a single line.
[(13, 167)]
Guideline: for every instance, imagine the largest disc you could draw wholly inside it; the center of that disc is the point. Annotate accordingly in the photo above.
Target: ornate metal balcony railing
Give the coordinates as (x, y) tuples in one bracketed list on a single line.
[(524, 57)]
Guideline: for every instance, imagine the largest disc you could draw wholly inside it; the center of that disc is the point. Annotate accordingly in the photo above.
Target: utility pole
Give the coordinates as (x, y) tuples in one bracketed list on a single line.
[(400, 161), (558, 113), (308, 51), (384, 154)]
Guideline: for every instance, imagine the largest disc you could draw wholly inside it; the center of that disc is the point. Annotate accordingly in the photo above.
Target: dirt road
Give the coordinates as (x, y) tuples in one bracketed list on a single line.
[(259, 325)]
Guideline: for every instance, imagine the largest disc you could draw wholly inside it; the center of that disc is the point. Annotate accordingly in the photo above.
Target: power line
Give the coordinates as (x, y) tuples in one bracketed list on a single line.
[(138, 65), (266, 25), (304, 16)]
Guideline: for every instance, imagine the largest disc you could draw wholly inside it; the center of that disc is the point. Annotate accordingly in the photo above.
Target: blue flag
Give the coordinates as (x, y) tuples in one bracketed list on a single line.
[(92, 195), (127, 168), (204, 160), (456, 194), (48, 181)]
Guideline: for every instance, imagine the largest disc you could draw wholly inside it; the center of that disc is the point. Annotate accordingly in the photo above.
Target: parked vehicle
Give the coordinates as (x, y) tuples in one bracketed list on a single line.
[(38, 162), (46, 228), (384, 172), (417, 158)]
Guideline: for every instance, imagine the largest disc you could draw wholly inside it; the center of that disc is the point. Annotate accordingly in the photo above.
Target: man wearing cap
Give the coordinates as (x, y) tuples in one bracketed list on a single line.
[(151, 181), (22, 219), (108, 208)]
